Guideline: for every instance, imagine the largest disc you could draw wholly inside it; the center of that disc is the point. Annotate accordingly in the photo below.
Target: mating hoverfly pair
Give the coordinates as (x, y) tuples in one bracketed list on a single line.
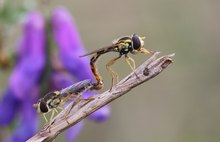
[(133, 44)]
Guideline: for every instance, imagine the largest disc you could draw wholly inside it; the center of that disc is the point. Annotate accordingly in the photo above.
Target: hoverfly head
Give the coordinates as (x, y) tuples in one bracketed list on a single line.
[(42, 106), (138, 44)]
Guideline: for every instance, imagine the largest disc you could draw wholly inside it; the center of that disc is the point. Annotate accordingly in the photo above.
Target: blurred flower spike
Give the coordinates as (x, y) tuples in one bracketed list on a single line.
[(22, 90), (66, 68), (70, 47)]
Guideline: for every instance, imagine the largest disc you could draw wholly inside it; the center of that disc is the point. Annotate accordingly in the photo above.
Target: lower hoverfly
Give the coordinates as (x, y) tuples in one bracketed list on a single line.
[(56, 99), (133, 44)]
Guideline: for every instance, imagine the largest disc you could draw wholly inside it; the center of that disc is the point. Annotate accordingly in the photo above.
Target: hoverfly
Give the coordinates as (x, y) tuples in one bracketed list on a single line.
[(133, 44), (56, 99)]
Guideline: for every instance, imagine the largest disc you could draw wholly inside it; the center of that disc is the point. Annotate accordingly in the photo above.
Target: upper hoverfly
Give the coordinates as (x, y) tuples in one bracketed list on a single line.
[(133, 44)]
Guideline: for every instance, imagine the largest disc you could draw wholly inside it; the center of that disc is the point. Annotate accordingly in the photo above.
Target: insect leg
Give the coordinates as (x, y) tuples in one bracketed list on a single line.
[(95, 72), (45, 118), (52, 115), (129, 60), (76, 100), (60, 108), (113, 74), (65, 113), (55, 110)]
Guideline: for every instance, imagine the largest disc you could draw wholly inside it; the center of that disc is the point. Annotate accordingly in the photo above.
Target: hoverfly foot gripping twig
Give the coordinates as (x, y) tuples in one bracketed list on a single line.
[(131, 61), (113, 74), (97, 86)]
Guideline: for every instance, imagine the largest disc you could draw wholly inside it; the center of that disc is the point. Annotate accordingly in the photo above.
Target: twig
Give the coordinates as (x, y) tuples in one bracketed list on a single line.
[(149, 69)]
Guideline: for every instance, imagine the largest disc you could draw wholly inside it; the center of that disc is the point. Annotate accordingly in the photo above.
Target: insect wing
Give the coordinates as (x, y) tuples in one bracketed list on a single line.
[(101, 50), (78, 87)]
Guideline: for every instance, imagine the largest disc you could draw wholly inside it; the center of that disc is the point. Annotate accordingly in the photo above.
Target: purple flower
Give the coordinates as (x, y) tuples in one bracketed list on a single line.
[(74, 131), (8, 107), (101, 115), (69, 44), (70, 48), (27, 124), (30, 64), (22, 89)]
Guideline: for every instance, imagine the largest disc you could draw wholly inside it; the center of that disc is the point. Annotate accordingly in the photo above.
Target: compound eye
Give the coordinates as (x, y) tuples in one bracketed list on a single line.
[(43, 107), (136, 42)]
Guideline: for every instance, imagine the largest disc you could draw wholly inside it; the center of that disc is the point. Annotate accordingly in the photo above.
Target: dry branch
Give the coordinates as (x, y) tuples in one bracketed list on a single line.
[(149, 69)]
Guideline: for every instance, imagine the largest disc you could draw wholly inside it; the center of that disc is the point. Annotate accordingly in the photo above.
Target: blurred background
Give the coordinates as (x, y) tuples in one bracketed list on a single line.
[(182, 103)]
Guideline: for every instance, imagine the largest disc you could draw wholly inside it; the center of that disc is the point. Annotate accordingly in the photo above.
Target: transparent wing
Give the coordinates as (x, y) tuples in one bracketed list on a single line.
[(78, 87), (101, 50)]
